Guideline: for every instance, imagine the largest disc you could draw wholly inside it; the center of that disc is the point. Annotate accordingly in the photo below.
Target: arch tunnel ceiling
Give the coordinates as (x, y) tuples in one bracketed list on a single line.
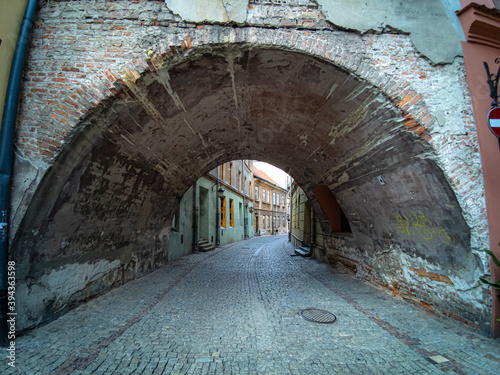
[(116, 186)]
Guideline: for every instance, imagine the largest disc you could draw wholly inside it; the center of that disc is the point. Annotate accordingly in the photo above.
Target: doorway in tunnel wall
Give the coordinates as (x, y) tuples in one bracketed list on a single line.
[(205, 213)]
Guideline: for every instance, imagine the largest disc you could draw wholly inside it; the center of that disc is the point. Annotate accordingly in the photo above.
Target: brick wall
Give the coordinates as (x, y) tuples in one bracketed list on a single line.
[(416, 281), (89, 60)]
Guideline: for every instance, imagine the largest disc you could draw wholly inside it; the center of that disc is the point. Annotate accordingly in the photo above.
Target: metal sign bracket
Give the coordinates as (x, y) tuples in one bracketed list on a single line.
[(493, 85)]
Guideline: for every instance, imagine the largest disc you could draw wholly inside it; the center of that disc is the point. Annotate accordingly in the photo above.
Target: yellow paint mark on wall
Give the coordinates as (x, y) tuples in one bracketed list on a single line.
[(420, 226)]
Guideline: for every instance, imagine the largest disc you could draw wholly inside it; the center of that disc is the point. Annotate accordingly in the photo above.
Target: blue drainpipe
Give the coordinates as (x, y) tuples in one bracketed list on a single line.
[(6, 149)]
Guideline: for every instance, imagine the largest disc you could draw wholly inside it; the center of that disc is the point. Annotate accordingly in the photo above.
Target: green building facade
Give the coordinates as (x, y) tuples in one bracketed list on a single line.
[(215, 211)]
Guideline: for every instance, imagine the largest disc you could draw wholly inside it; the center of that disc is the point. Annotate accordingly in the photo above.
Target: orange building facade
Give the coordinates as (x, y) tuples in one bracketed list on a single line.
[(481, 23)]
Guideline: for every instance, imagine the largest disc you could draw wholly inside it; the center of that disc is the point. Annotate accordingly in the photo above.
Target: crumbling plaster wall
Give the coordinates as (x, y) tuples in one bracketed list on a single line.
[(438, 40), (85, 55)]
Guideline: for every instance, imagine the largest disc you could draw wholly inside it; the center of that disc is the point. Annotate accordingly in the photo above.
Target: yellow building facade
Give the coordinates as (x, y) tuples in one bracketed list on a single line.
[(270, 205), (11, 16)]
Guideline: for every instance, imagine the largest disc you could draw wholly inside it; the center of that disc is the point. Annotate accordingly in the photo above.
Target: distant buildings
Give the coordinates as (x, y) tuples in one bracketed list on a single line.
[(234, 201), (216, 210), (270, 205)]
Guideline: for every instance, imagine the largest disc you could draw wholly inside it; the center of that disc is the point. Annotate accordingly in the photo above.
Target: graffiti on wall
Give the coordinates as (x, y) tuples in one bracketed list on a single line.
[(419, 225)]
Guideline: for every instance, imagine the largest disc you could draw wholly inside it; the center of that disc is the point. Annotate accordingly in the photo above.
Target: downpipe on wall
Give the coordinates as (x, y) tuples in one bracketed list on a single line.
[(272, 212), (217, 213), (245, 236), (6, 150)]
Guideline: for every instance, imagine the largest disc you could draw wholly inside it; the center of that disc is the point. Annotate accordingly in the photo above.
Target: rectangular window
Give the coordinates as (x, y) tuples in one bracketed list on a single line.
[(231, 174), (284, 223), (231, 213), (278, 221), (283, 200), (223, 172), (223, 212), (263, 222), (274, 198), (263, 195), (268, 222), (274, 221), (175, 221), (296, 212), (277, 199), (268, 197), (239, 180), (256, 193)]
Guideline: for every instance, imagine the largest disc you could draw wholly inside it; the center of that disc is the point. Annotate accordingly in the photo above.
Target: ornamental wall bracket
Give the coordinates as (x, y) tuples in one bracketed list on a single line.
[(493, 82), (494, 114)]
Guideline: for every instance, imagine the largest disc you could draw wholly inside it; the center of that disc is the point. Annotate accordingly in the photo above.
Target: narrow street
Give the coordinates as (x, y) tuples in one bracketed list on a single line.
[(235, 310)]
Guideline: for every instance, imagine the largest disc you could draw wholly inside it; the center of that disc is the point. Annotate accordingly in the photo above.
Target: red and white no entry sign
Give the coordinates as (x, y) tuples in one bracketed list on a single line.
[(494, 121)]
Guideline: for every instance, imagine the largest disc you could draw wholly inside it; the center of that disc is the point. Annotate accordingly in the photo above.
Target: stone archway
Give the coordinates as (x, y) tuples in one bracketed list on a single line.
[(101, 213)]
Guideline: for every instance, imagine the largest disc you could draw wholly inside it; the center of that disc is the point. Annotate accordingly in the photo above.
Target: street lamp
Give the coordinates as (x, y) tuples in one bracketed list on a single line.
[(220, 192)]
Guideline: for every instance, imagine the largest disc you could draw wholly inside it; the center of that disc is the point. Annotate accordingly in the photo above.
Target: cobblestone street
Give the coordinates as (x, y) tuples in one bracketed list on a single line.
[(235, 311)]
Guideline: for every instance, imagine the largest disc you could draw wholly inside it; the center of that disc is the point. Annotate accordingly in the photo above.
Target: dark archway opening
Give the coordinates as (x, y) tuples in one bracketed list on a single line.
[(106, 205)]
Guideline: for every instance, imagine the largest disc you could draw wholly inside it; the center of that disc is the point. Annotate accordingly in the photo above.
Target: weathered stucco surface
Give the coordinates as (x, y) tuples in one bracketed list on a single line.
[(126, 104), (423, 20), (210, 10), (438, 40), (65, 287)]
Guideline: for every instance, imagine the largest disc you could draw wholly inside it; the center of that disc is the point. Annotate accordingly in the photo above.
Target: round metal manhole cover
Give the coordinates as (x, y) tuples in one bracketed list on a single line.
[(318, 316)]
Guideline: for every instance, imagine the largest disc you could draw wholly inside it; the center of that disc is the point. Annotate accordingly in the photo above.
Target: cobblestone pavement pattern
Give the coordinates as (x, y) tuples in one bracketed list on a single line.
[(235, 311)]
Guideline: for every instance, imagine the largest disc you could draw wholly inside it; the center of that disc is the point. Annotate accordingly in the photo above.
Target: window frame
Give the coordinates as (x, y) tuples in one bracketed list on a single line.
[(231, 213), (223, 212), (231, 173)]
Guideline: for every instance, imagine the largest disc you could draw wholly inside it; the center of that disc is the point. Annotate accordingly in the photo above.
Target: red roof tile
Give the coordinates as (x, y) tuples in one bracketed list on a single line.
[(260, 174)]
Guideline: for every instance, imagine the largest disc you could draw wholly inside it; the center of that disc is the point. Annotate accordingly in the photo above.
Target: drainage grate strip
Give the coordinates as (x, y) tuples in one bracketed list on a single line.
[(318, 316)]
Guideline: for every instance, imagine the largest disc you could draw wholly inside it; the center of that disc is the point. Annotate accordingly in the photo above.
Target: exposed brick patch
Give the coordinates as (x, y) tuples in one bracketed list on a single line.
[(105, 59), (493, 358), (400, 287), (431, 275)]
